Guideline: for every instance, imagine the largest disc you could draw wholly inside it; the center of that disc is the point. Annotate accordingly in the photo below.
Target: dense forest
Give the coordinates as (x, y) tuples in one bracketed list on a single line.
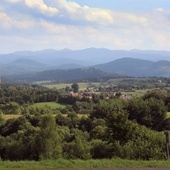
[(86, 128)]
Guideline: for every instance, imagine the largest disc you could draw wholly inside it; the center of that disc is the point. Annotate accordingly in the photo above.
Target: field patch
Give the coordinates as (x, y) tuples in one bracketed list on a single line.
[(6, 117), (82, 85), (52, 105), (136, 93)]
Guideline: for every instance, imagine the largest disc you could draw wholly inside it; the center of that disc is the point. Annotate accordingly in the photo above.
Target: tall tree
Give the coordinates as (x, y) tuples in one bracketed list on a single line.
[(49, 141), (75, 87)]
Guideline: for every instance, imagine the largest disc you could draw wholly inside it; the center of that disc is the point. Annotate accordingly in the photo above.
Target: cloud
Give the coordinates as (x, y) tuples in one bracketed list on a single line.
[(5, 21), (13, 1), (66, 24), (61, 11), (8, 23), (36, 6), (41, 7)]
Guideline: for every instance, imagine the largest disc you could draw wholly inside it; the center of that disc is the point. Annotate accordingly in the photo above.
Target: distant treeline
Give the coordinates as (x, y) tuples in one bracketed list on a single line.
[(91, 74)]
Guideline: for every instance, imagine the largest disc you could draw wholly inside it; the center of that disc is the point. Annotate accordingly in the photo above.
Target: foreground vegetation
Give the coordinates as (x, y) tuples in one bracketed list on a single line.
[(102, 163), (132, 129)]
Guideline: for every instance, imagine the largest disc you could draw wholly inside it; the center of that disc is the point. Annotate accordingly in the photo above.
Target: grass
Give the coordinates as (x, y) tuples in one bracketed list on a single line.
[(6, 117), (136, 93), (82, 86), (62, 163), (52, 105), (58, 86)]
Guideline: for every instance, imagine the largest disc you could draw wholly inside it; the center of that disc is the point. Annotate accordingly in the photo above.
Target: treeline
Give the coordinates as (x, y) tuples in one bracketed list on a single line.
[(112, 128), (26, 94), (67, 75)]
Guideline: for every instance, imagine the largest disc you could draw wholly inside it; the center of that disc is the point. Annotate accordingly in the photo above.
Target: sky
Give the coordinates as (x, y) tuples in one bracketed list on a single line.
[(79, 24)]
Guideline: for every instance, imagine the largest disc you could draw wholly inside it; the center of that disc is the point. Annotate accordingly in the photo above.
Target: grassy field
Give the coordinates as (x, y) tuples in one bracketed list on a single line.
[(52, 105), (70, 164), (6, 117), (82, 86), (136, 93)]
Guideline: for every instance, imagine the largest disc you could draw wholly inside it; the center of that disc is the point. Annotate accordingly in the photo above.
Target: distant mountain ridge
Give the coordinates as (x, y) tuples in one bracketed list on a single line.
[(127, 62), (137, 67), (89, 56)]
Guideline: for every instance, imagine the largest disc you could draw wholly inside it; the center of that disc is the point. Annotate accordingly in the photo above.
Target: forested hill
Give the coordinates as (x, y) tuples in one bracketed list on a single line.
[(137, 67), (34, 71), (117, 68), (127, 62), (67, 75)]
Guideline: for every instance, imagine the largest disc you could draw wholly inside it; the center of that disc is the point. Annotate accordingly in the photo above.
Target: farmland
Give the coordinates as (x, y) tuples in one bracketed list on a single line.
[(82, 86), (52, 105)]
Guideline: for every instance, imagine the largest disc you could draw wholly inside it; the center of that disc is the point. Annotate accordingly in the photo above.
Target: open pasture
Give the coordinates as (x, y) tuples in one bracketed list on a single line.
[(52, 105), (82, 85), (136, 93)]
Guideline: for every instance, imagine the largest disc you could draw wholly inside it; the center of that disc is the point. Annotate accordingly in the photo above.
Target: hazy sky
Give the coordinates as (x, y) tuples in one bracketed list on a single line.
[(79, 24)]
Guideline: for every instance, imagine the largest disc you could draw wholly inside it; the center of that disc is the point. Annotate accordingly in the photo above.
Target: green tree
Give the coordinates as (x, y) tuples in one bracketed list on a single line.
[(118, 127), (75, 87), (100, 149), (49, 142), (78, 149), (150, 112)]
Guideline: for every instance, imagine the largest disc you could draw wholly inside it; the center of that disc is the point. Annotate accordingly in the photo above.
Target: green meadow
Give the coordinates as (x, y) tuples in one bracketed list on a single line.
[(52, 105), (136, 93), (82, 86), (82, 164)]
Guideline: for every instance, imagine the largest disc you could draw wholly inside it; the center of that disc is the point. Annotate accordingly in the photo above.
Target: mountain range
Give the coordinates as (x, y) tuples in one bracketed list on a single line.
[(124, 62)]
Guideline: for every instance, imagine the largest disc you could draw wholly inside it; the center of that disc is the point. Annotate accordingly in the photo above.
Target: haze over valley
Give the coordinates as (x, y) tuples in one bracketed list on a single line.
[(137, 63)]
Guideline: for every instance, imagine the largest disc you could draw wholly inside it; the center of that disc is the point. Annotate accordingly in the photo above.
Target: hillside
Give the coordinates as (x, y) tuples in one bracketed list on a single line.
[(126, 66), (67, 75), (126, 62), (137, 67), (22, 66), (117, 68)]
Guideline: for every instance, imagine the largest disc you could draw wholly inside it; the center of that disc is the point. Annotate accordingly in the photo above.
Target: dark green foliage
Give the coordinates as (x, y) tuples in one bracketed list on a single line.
[(75, 87), (77, 149), (20, 143), (106, 129), (83, 107), (25, 94), (143, 144), (12, 126), (150, 112), (10, 108), (100, 149), (48, 139), (104, 108), (118, 127)]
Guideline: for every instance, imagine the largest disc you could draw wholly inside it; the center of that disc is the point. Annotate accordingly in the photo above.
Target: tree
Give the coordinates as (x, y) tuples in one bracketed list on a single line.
[(75, 87), (97, 152), (118, 127), (150, 112), (78, 149), (104, 108), (49, 141)]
